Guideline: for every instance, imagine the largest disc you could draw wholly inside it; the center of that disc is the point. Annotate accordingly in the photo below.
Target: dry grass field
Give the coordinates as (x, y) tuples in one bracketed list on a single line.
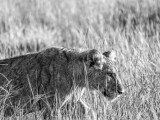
[(130, 27)]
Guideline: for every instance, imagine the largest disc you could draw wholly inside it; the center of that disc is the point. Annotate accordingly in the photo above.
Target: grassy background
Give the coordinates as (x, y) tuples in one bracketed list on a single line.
[(130, 27)]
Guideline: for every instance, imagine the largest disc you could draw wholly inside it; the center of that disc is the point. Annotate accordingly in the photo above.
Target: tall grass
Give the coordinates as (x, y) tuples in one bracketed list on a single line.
[(131, 27)]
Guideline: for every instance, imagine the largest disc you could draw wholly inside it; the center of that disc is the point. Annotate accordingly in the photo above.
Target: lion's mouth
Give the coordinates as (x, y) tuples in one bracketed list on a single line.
[(119, 92), (111, 94)]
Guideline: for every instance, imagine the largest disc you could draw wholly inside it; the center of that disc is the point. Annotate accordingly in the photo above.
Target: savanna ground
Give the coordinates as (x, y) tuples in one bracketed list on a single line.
[(130, 27)]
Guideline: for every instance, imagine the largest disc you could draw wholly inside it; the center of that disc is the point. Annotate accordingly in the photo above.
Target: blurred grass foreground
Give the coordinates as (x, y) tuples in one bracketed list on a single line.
[(130, 27)]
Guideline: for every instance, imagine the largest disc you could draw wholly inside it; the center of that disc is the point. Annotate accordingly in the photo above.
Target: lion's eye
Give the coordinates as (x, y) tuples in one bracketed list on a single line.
[(111, 74)]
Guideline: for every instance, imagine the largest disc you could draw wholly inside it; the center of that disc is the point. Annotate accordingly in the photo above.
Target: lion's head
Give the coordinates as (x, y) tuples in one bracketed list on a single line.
[(102, 73)]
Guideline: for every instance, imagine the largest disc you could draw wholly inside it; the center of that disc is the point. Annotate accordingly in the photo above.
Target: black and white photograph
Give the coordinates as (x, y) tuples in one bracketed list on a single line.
[(79, 59)]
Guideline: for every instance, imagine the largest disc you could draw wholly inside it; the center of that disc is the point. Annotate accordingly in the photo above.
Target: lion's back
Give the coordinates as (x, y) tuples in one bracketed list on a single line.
[(38, 72)]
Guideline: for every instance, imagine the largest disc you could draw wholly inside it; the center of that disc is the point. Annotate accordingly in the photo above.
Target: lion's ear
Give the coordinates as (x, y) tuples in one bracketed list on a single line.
[(95, 59), (111, 55)]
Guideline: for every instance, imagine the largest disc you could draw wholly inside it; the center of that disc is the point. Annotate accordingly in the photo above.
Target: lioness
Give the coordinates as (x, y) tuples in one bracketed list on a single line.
[(56, 70)]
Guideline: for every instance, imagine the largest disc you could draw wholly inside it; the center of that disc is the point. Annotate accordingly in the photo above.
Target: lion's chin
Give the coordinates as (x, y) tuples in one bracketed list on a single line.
[(111, 96), (112, 99)]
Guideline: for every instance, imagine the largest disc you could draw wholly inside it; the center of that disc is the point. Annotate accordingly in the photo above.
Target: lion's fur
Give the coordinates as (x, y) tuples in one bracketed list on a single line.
[(50, 71)]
